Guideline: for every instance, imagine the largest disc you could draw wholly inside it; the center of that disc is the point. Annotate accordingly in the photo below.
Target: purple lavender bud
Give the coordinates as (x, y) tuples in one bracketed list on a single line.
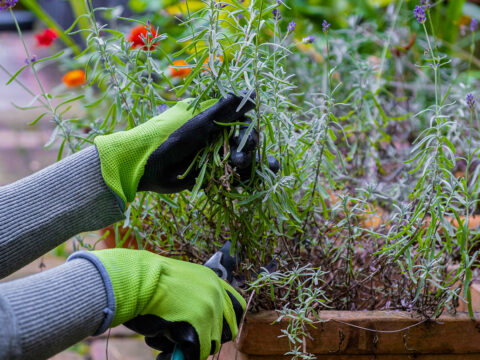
[(470, 101), (308, 39), (325, 26), (162, 108), (31, 60), (291, 26), (220, 5), (419, 14), (148, 22), (7, 4), (276, 14), (425, 4), (473, 25)]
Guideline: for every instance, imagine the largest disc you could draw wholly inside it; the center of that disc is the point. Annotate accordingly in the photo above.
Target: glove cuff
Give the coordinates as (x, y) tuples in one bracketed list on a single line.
[(109, 311), (134, 276)]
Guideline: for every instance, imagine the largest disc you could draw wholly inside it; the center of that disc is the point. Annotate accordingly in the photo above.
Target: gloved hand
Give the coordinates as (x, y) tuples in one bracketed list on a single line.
[(242, 161), (152, 155), (170, 301)]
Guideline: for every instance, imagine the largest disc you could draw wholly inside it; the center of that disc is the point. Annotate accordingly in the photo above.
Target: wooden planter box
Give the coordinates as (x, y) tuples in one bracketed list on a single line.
[(450, 337), (109, 242)]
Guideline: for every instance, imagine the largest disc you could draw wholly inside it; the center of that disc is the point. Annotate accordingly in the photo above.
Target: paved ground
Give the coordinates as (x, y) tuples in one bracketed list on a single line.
[(21, 145), (21, 154)]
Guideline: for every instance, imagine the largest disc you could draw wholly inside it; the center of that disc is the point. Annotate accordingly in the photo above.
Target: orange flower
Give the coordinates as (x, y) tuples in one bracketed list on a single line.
[(74, 78), (140, 34), (217, 57), (175, 72)]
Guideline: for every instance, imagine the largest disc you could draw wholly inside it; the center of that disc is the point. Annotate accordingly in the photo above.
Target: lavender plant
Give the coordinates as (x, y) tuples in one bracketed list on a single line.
[(377, 140)]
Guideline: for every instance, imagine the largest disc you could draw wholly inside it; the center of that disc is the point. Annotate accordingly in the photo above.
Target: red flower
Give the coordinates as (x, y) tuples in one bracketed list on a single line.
[(46, 37), (140, 36)]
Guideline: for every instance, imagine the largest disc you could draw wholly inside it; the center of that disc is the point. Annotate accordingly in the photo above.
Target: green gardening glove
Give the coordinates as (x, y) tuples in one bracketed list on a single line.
[(170, 302), (151, 156)]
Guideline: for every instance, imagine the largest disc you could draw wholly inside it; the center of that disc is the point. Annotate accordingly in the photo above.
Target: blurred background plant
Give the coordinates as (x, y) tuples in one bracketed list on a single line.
[(369, 106)]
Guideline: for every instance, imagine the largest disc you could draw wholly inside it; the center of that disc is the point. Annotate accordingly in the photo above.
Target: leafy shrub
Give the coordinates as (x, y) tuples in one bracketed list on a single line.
[(378, 145)]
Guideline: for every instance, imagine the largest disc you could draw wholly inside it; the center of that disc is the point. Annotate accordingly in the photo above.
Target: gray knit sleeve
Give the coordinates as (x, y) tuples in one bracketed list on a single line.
[(45, 313), (45, 209)]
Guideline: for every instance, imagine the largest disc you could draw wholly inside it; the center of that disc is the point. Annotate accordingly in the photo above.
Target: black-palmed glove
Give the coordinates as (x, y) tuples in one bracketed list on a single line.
[(242, 160), (153, 155), (170, 302)]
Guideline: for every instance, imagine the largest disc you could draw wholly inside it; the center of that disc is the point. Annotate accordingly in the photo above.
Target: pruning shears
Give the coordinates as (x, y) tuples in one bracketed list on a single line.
[(223, 264), (177, 354)]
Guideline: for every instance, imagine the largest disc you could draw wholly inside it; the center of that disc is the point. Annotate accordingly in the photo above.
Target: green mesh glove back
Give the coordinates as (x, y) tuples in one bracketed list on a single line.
[(123, 155), (175, 291)]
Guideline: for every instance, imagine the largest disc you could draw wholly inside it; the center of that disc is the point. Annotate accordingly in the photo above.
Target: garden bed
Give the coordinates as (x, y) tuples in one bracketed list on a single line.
[(374, 121), (364, 335), (344, 335)]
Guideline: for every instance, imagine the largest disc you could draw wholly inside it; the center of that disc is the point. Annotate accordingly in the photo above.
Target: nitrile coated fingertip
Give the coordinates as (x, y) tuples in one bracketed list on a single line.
[(249, 104), (240, 160), (252, 141), (273, 164), (244, 93)]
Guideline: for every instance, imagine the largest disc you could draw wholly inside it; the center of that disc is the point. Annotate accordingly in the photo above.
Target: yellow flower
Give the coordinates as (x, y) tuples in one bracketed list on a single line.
[(181, 8), (380, 3)]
